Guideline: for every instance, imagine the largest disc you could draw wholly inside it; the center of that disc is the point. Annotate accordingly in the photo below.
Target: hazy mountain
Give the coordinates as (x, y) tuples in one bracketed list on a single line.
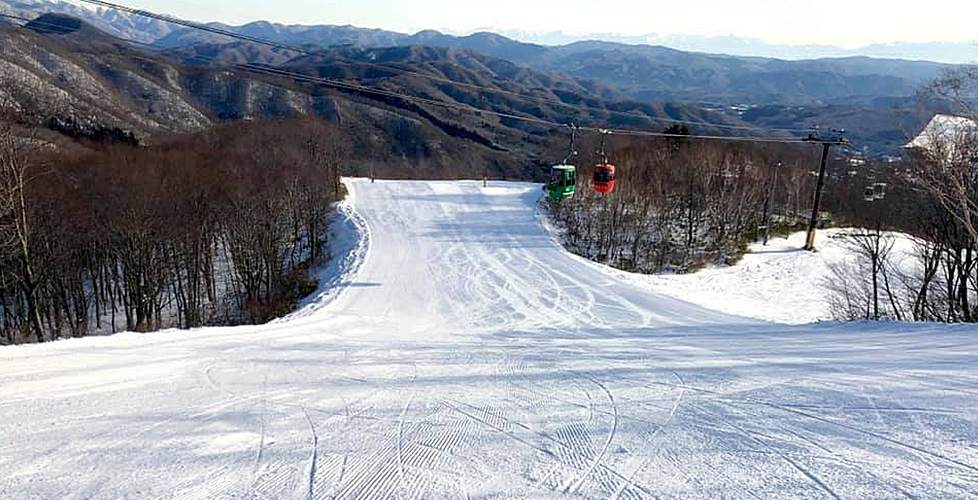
[(645, 72), (949, 52), (945, 52), (138, 28), (656, 73)]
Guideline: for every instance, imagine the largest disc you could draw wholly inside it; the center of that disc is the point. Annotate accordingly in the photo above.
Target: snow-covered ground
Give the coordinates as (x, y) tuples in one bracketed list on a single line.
[(466, 355), (777, 282)]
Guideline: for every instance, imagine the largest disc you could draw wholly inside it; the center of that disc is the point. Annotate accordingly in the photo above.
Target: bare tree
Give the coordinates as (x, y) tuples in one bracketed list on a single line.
[(19, 150), (949, 152), (678, 205), (214, 228)]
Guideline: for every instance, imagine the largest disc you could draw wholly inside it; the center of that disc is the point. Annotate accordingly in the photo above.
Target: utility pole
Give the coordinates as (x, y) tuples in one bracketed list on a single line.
[(826, 146), (770, 204)]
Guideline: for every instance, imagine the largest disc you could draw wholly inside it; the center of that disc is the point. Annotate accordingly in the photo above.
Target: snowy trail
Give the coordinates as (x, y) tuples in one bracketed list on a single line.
[(470, 357), (454, 257)]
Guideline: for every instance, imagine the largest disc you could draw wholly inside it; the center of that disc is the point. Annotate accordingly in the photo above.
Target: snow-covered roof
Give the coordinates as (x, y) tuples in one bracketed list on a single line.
[(943, 127)]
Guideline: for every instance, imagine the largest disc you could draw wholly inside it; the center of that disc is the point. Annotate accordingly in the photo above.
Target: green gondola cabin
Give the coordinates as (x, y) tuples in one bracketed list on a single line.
[(563, 179)]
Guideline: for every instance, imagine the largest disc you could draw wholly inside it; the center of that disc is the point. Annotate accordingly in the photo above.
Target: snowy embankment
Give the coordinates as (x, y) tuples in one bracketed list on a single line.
[(779, 282), (466, 355), (349, 243)]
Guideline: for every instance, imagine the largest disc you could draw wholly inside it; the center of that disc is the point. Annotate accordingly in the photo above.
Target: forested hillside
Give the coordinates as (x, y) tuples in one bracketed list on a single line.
[(85, 83), (870, 97), (220, 227)]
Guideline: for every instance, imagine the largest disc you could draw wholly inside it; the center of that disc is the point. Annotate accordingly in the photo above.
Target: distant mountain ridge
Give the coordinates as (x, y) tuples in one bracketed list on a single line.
[(123, 25), (871, 97), (941, 52), (643, 72), (66, 74)]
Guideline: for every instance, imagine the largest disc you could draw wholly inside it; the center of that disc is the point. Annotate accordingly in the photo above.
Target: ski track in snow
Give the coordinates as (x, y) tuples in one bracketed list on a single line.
[(459, 353)]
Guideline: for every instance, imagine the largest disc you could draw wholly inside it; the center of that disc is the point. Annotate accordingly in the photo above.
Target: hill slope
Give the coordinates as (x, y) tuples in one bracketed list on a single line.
[(872, 98), (644, 72), (110, 83), (63, 70), (469, 356)]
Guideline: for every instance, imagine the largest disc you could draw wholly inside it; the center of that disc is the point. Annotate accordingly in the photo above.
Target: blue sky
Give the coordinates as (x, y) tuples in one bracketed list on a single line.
[(846, 23)]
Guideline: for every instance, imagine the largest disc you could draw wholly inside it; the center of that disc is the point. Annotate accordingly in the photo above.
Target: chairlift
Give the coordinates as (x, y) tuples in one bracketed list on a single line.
[(604, 178), (604, 173), (563, 177), (563, 180), (869, 194)]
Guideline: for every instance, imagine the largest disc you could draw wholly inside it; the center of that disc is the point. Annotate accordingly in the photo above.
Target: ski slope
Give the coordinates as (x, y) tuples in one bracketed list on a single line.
[(463, 354)]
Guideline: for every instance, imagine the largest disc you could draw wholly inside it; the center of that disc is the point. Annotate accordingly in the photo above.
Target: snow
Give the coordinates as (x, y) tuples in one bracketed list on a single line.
[(75, 3), (942, 127), (348, 248), (778, 282), (466, 355)]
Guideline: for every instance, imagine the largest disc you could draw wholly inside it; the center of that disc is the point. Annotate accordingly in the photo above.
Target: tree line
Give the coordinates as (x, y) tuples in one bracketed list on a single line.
[(680, 204), (219, 227), (917, 253)]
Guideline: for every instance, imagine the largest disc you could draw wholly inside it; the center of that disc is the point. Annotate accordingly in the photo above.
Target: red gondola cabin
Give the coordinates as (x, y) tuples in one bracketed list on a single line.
[(604, 178)]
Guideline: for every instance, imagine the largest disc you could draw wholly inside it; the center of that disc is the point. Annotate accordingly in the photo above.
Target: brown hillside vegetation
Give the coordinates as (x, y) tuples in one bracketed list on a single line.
[(214, 228)]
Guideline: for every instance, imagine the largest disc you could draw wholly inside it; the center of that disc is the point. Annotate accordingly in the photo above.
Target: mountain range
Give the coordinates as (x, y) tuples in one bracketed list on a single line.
[(643, 72), (89, 85), (945, 52), (873, 98), (960, 52)]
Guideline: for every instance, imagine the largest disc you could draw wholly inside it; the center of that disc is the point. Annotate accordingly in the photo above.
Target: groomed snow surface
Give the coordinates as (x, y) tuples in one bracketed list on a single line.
[(466, 355)]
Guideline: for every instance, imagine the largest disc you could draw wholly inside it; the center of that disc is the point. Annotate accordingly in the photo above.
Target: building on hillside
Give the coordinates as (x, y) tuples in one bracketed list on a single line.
[(943, 129)]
